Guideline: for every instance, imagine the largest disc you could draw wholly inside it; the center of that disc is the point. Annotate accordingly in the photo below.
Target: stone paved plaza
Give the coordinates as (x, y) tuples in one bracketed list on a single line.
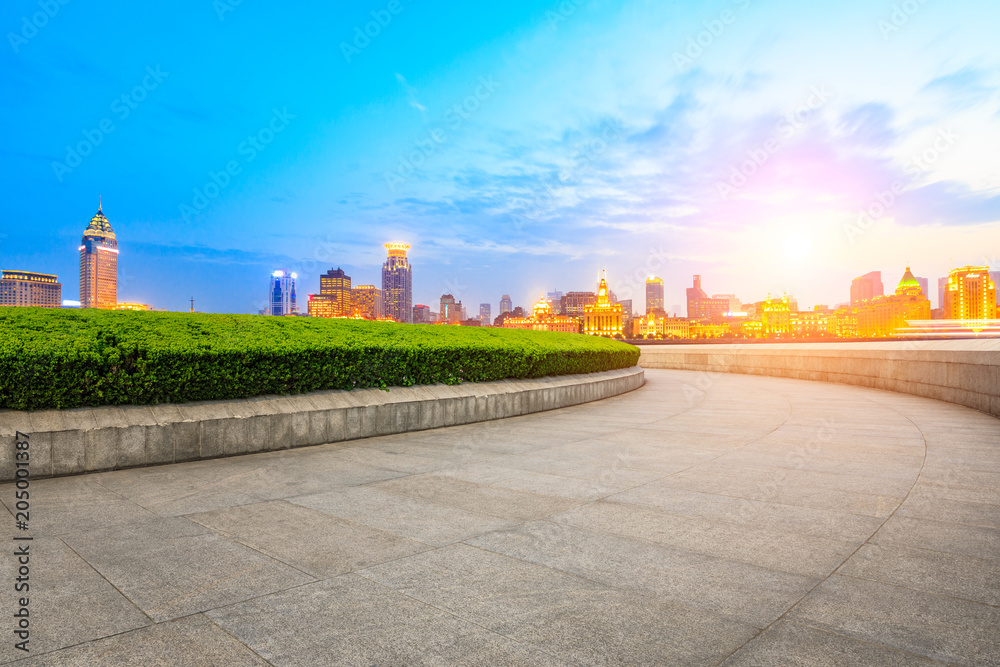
[(699, 520)]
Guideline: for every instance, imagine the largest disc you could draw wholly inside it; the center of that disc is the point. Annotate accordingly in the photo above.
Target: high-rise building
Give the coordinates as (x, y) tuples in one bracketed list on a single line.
[(335, 295), (970, 294), (924, 286), (506, 305), (702, 307), (733, 304), (995, 277), (367, 302), (422, 314), (397, 283), (450, 311), (283, 300), (884, 316), (942, 285), (626, 308), (99, 264), (484, 314), (603, 317), (26, 288), (574, 303), (654, 294), (866, 287)]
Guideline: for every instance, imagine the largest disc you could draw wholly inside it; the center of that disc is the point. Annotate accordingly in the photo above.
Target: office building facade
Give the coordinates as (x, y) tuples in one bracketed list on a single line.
[(27, 288), (99, 264), (970, 294), (397, 283), (654, 294), (282, 293)]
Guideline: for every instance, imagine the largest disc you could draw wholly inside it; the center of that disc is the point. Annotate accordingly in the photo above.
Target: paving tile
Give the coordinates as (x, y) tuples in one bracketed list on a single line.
[(62, 585), (171, 567), (938, 627), (793, 553), (964, 577), (735, 590), (797, 645), (575, 619), (956, 538), (416, 519), (941, 509), (478, 498), (317, 543), (350, 620), (173, 490), (192, 640)]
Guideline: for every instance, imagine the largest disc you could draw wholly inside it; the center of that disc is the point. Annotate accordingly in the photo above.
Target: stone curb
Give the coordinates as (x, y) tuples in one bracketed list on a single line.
[(79, 440), (966, 372)]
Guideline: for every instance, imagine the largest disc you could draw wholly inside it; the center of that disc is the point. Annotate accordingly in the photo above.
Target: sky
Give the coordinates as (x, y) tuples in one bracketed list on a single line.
[(520, 147)]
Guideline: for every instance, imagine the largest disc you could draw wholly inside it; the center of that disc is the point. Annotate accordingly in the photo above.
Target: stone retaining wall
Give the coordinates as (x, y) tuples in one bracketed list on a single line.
[(66, 442), (966, 372)]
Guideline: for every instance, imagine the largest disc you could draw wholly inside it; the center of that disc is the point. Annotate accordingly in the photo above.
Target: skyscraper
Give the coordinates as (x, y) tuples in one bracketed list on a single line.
[(334, 298), (367, 300), (866, 287), (422, 314), (970, 294), (397, 283), (451, 310), (283, 300), (506, 305), (25, 288), (485, 315), (654, 294), (99, 264)]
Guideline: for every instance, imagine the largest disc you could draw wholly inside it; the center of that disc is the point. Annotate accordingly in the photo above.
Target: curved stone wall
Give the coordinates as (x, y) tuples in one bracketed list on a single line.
[(966, 372), (66, 442)]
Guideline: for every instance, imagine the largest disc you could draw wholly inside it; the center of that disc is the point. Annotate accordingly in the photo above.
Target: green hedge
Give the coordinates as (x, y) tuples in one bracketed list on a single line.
[(62, 358)]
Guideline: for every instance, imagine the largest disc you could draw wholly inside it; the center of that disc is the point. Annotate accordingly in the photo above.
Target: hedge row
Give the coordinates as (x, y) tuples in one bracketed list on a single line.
[(61, 358)]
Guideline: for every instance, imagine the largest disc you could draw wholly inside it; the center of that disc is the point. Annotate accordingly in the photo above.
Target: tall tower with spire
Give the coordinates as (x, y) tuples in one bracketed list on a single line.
[(99, 264)]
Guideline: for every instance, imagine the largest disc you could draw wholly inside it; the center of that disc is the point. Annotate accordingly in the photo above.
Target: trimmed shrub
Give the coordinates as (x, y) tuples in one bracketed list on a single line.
[(63, 358)]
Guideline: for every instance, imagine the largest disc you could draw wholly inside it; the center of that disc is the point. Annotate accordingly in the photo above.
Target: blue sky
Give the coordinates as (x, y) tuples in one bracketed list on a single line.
[(519, 147)]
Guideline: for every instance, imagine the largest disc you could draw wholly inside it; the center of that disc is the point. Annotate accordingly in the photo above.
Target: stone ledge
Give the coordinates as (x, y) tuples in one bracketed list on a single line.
[(68, 442), (966, 372)]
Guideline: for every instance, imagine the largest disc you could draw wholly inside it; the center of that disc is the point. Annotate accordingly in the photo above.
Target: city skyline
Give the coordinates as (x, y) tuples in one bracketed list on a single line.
[(722, 142)]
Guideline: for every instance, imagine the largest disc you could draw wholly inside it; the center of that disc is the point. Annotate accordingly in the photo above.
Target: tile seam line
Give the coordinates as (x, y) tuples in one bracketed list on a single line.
[(862, 544)]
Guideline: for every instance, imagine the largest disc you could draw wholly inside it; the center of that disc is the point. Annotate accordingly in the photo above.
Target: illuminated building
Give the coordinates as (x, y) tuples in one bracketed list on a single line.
[(397, 283), (422, 314), (702, 307), (603, 317), (127, 305), (775, 317), (995, 277), (866, 287), (506, 305), (657, 324), (26, 288), (884, 316), (542, 319), (484, 314), (335, 296), (574, 303), (709, 329), (367, 302), (626, 309), (970, 294), (811, 323), (283, 300), (99, 264), (654, 294), (450, 311), (555, 299)]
